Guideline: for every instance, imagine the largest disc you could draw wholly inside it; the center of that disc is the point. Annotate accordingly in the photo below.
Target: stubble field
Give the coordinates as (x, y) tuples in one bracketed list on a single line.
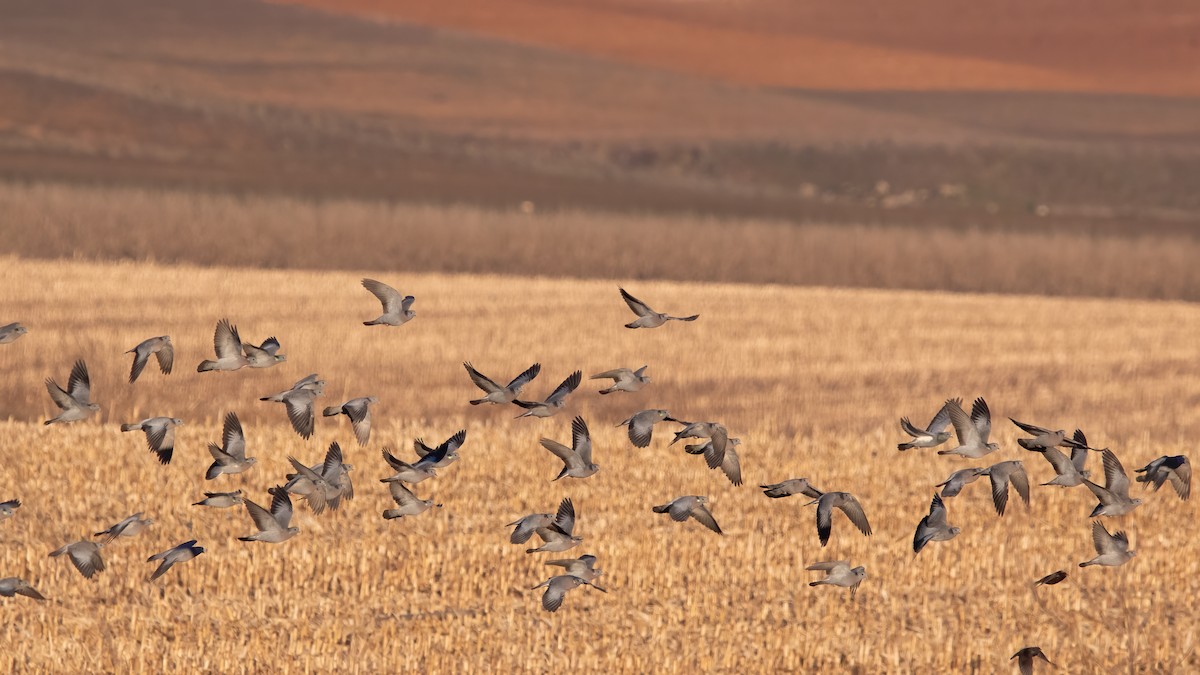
[(812, 380)]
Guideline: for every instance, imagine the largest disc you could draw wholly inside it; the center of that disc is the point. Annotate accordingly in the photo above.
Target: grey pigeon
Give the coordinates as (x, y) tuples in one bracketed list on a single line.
[(444, 454), (527, 525), (11, 586), (312, 382), (9, 508), (160, 347), (972, 430), (228, 347), (497, 394), (177, 554), (555, 402), (1025, 659), (397, 309), (641, 425), (692, 430), (934, 434), (359, 412), (324, 485), (728, 461), (265, 355), (647, 317), (623, 379), (583, 567), (84, 555), (299, 406), (934, 527), (160, 435), (577, 459), (231, 457), (560, 534), (11, 333), (839, 573), (221, 500), (690, 506), (557, 587), (1069, 472), (1001, 475), (273, 526), (1174, 468), (1114, 496), (791, 486), (1111, 549), (1043, 438), (76, 400), (129, 527), (406, 502), (849, 505), (958, 480)]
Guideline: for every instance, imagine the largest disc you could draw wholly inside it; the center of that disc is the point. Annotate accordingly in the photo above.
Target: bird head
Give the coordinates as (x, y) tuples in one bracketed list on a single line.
[(577, 539), (993, 446), (1136, 501), (280, 358), (249, 461), (199, 549), (954, 531), (860, 571), (21, 330), (430, 503), (94, 407), (176, 421), (293, 530)]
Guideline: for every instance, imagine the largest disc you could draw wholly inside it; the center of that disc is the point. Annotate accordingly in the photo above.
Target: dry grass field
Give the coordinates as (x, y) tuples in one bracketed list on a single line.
[(813, 380)]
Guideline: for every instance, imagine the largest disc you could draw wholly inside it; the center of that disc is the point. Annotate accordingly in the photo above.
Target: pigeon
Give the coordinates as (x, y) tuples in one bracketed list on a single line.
[(1114, 496), (559, 535), (84, 555), (265, 355), (16, 586), (228, 347), (131, 526), (1111, 549), (1043, 438), (557, 587), (221, 500), (648, 318), (160, 347), (232, 457), (299, 405), (934, 527), (425, 467), (527, 525), (1068, 472), (444, 454), (1174, 468), (11, 333), (791, 486), (623, 379), (1051, 579), (958, 480), (838, 573), (273, 525), (311, 382), (931, 436), (160, 435), (359, 412), (177, 554), (76, 400), (9, 508), (497, 394), (397, 309), (972, 431), (577, 459), (848, 504), (1025, 659), (324, 485), (583, 567), (729, 462), (1001, 475), (681, 508), (407, 502), (555, 402), (641, 425)]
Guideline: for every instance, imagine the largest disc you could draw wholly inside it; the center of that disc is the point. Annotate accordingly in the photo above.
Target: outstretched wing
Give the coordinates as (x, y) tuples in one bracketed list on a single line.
[(525, 378), (390, 298), (568, 385), (483, 381), (640, 308), (79, 386)]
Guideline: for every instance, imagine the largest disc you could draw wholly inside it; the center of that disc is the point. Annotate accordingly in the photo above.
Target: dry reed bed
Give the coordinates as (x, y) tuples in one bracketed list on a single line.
[(60, 221), (812, 379)]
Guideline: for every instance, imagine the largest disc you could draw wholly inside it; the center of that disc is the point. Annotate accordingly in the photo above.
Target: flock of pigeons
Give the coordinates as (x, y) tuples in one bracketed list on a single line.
[(325, 485)]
